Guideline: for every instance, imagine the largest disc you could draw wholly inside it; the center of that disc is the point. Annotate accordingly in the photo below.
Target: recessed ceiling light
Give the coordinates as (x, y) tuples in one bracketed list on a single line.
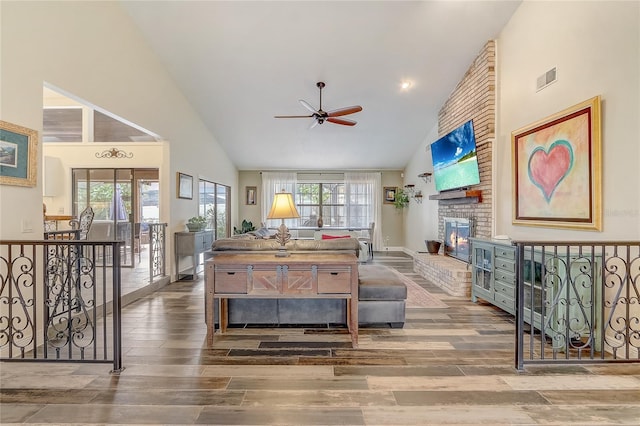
[(405, 85)]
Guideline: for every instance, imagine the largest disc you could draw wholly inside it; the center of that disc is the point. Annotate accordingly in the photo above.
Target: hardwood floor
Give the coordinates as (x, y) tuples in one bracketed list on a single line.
[(450, 366)]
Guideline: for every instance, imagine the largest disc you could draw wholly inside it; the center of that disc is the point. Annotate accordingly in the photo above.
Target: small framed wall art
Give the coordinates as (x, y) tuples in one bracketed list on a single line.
[(557, 170), (390, 194), (18, 155), (185, 186), (251, 195)]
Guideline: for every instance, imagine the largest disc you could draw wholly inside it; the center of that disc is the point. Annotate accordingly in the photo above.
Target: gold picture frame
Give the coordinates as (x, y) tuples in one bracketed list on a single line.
[(390, 194), (18, 155), (557, 167)]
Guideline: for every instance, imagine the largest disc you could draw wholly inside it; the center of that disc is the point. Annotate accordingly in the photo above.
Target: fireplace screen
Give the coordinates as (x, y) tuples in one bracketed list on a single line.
[(456, 238)]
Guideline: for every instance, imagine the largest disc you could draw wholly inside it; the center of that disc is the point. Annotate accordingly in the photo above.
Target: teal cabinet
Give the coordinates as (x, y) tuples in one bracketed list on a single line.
[(493, 273), (561, 292)]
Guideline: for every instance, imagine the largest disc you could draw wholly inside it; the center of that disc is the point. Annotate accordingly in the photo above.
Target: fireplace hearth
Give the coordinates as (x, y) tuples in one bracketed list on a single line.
[(457, 232)]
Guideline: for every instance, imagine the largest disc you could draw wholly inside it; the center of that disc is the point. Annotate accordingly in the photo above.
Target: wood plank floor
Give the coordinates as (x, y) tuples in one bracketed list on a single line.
[(447, 366)]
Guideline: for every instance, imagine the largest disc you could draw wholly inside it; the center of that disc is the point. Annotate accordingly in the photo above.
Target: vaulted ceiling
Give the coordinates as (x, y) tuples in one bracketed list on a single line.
[(240, 63)]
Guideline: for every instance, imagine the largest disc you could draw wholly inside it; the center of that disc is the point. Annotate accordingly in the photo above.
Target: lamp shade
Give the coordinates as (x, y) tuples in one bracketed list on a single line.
[(283, 207)]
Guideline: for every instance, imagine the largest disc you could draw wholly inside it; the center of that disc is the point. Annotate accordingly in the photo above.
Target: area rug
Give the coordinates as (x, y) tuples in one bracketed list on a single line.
[(418, 297)]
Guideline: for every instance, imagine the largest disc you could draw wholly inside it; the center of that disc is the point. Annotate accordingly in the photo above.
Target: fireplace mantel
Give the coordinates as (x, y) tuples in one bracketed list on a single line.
[(458, 197)]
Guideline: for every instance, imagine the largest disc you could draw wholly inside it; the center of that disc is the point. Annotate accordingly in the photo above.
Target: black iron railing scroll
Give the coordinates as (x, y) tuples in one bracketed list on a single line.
[(577, 302), (60, 301)]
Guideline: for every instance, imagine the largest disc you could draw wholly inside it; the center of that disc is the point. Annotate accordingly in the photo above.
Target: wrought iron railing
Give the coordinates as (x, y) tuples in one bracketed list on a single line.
[(577, 302), (157, 250), (60, 301)]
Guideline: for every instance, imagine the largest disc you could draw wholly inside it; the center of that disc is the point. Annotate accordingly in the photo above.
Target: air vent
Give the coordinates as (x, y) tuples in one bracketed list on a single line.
[(546, 79)]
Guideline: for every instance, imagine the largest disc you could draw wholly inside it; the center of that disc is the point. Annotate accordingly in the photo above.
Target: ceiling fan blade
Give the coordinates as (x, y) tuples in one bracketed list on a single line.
[(307, 106), (292, 116), (341, 121), (314, 124), (344, 111)]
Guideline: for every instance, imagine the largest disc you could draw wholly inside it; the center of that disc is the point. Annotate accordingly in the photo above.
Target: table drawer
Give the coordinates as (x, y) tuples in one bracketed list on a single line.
[(505, 264), (505, 253), (230, 280), (504, 276), (505, 302), (507, 290), (335, 280)]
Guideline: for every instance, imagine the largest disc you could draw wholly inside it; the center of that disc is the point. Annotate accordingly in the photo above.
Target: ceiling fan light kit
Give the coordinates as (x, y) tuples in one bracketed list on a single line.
[(319, 116)]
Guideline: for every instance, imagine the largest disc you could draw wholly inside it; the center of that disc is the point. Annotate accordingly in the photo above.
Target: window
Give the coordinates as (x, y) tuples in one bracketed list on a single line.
[(214, 205), (67, 119), (321, 199), (62, 124)]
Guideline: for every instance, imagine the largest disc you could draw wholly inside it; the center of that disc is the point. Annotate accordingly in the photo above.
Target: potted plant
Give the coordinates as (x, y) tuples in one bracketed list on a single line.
[(246, 226), (402, 199), (196, 223), (433, 246)]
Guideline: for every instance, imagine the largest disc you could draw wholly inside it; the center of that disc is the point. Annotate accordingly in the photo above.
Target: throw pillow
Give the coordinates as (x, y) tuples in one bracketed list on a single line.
[(333, 237)]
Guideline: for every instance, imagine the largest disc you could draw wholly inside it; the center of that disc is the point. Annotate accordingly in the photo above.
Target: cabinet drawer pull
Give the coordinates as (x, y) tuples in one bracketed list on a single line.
[(334, 273), (231, 273)]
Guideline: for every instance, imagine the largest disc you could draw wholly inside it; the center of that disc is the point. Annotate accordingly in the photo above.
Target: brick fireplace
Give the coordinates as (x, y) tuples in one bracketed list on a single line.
[(473, 98)]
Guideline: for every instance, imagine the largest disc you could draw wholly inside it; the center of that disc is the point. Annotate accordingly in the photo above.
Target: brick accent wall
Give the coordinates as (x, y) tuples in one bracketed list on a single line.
[(473, 98)]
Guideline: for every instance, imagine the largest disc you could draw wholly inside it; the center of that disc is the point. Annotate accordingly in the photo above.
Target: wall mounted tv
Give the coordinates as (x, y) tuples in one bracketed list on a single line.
[(455, 160)]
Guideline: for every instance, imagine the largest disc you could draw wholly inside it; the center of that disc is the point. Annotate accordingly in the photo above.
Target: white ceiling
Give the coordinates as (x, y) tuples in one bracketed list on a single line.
[(240, 63)]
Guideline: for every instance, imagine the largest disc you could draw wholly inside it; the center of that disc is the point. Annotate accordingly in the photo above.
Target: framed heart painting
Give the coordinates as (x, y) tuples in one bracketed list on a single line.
[(557, 170)]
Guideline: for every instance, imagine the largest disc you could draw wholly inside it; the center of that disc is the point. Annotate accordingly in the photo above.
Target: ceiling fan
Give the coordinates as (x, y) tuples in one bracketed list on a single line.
[(321, 116)]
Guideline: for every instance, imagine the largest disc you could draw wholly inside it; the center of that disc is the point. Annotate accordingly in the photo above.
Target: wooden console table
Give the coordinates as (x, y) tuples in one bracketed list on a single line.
[(263, 275)]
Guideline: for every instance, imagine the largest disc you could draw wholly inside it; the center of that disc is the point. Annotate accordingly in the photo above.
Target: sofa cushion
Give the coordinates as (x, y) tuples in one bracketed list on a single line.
[(377, 282)]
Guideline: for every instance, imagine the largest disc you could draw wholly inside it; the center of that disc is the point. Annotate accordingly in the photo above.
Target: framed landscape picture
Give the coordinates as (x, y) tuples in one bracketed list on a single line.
[(557, 169), (185, 186), (389, 194), (18, 155)]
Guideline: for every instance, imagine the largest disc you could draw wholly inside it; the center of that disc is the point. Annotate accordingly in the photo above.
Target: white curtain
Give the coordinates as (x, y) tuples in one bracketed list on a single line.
[(365, 186), (272, 183)]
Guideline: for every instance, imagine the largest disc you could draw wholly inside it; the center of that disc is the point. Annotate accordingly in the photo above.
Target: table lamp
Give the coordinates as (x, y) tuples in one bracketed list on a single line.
[(283, 208)]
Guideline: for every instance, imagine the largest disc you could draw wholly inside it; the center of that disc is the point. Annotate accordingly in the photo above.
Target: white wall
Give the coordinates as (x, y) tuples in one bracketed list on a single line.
[(595, 47), (92, 50), (421, 220)]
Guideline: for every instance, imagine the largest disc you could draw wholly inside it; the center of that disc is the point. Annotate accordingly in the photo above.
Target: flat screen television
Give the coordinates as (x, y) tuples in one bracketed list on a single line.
[(455, 160)]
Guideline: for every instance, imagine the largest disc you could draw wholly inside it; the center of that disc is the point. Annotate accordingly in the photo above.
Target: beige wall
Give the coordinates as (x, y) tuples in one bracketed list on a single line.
[(596, 49)]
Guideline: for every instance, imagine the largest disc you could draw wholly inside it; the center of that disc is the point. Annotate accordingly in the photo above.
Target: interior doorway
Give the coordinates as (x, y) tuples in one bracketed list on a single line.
[(124, 201)]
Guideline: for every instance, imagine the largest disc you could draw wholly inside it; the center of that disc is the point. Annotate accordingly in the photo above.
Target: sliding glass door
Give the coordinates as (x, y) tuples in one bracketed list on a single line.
[(121, 200), (214, 205)]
